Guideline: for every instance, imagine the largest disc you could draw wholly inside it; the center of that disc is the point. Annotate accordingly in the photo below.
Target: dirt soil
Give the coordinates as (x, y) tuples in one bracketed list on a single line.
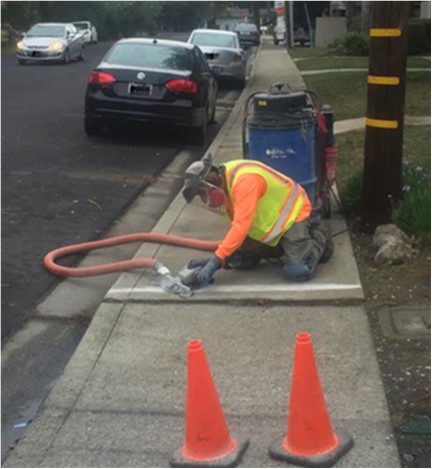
[(404, 360)]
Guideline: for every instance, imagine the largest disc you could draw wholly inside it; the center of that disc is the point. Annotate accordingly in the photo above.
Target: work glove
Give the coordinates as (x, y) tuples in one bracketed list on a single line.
[(194, 263), (205, 275)]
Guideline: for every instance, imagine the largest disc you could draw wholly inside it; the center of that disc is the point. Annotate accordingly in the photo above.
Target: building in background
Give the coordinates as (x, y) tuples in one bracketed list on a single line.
[(321, 22), (234, 16)]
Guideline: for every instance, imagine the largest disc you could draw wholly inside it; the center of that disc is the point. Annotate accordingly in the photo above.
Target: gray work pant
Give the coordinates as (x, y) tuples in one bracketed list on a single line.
[(300, 249)]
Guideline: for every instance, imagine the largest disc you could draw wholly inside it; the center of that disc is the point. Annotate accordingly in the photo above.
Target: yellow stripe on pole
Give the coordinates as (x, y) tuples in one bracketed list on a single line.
[(385, 32), (381, 80), (382, 124)]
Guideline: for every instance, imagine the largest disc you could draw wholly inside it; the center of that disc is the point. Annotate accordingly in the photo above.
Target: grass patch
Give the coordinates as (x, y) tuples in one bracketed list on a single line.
[(323, 63), (308, 52), (330, 63), (337, 89), (328, 54), (347, 93), (418, 94), (323, 59)]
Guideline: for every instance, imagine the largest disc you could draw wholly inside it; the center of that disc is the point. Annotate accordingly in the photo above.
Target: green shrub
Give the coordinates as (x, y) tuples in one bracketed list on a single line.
[(351, 193), (419, 34), (413, 211), (4, 36), (353, 43)]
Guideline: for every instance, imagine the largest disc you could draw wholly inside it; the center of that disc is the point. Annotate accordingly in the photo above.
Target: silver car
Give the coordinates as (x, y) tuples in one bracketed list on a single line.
[(59, 42), (88, 30), (222, 51)]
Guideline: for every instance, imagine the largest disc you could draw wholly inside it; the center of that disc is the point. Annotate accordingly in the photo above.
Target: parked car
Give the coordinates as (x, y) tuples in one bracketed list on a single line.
[(59, 42), (88, 30), (301, 38), (153, 82), (222, 51), (248, 34)]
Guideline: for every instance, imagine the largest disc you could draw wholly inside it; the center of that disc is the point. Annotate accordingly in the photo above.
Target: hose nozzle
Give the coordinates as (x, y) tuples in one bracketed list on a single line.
[(172, 284)]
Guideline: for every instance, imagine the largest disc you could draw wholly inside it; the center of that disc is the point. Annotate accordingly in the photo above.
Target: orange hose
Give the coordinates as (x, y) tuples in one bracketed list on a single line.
[(142, 262)]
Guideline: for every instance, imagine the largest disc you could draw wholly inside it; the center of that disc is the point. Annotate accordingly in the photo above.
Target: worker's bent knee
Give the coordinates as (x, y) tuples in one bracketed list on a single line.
[(297, 272)]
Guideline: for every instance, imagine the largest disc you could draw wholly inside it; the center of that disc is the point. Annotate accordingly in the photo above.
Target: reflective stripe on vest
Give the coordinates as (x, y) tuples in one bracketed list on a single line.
[(287, 216), (280, 177), (288, 209)]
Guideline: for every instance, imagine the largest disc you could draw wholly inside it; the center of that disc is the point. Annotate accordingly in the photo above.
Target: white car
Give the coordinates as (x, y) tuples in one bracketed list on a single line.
[(88, 30), (223, 52)]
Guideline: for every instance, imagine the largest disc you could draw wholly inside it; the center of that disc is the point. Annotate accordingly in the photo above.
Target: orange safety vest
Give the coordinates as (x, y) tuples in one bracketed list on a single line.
[(278, 208)]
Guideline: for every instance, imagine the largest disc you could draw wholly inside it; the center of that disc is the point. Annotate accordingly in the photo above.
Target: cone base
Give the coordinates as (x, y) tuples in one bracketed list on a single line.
[(277, 451), (229, 460)]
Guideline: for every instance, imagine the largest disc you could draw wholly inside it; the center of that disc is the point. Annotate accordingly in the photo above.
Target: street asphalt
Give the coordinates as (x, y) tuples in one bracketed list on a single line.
[(121, 399)]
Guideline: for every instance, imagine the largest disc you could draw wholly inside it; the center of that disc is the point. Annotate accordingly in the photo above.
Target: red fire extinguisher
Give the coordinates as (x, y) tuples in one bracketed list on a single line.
[(331, 148)]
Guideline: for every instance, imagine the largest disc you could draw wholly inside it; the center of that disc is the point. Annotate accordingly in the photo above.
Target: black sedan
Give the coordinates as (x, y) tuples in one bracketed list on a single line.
[(248, 34), (153, 82)]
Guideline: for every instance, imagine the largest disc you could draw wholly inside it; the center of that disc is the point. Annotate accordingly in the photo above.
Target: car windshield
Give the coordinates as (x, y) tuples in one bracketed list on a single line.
[(212, 39), (246, 27), (46, 30), (150, 55), (82, 26)]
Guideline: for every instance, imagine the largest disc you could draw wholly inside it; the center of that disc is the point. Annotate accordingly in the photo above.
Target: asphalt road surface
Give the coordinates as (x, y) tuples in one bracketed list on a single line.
[(58, 186)]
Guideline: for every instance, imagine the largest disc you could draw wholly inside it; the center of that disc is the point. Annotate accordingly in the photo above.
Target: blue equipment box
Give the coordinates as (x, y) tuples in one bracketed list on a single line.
[(287, 143)]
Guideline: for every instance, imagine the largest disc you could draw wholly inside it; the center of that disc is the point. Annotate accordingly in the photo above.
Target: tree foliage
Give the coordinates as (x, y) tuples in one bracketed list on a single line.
[(117, 18)]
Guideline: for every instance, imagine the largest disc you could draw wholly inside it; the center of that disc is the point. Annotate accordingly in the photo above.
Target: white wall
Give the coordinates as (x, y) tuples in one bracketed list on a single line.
[(328, 29), (228, 23)]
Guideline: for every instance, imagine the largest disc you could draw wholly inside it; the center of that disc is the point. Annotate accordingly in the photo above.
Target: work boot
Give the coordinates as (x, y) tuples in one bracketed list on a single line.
[(297, 271)]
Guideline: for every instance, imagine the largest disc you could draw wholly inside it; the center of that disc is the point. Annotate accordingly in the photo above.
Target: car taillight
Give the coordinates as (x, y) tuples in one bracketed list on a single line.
[(182, 86), (101, 78), (237, 58)]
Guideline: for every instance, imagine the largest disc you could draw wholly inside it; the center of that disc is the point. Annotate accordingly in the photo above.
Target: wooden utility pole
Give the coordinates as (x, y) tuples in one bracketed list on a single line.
[(385, 111), (289, 24)]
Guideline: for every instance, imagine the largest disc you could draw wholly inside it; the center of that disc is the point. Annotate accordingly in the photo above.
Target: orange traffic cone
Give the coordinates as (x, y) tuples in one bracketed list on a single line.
[(208, 442), (309, 440)]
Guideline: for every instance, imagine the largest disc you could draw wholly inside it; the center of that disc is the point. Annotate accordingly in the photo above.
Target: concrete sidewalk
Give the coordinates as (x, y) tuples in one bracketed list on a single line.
[(120, 401)]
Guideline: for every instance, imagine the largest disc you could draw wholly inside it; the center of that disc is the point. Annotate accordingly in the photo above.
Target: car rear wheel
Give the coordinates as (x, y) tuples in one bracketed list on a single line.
[(240, 83), (213, 112), (92, 127), (199, 134), (82, 54)]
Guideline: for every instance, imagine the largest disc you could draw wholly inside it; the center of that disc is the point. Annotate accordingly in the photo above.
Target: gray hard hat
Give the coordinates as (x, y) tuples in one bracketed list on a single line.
[(195, 175)]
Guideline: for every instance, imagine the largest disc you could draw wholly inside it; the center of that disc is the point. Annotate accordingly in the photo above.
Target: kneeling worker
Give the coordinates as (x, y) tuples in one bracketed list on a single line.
[(270, 219)]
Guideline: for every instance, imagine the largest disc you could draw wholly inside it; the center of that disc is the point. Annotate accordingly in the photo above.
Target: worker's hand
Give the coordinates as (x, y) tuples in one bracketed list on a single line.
[(194, 263), (205, 275)]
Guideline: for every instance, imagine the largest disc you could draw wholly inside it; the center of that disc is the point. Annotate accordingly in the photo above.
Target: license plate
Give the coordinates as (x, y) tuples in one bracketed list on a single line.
[(211, 56), (217, 69), (139, 89)]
